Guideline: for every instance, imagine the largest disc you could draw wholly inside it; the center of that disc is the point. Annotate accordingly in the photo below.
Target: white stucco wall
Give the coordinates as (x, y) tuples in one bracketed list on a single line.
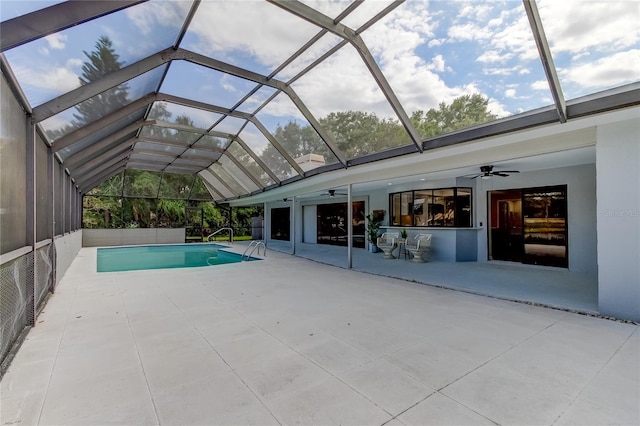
[(123, 237), (379, 200), (618, 219), (310, 224), (67, 248)]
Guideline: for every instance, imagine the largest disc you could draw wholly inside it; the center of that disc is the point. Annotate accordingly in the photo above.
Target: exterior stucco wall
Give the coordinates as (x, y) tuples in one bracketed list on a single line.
[(67, 248), (618, 213), (120, 237)]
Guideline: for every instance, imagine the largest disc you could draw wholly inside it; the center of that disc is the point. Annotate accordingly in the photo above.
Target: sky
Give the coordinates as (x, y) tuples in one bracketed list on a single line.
[(429, 51)]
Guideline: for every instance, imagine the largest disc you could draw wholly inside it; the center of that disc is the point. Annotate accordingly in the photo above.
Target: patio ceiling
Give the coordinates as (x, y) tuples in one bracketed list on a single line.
[(209, 88)]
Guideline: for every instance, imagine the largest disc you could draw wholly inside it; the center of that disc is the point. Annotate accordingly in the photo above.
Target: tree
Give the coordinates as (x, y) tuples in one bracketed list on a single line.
[(170, 213), (465, 111), (100, 62)]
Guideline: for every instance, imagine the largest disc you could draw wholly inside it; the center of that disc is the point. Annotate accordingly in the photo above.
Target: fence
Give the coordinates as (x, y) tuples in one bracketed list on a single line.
[(19, 298)]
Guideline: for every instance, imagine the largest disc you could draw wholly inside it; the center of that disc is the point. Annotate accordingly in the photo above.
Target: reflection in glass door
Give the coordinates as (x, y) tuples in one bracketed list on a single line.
[(505, 238), (545, 226), (332, 224)]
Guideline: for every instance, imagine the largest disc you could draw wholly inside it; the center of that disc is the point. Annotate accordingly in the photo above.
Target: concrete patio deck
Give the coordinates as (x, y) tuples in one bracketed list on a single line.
[(547, 286), (289, 341)]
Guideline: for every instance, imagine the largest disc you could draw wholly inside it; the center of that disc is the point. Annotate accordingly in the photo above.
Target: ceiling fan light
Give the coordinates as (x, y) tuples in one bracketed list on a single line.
[(486, 177)]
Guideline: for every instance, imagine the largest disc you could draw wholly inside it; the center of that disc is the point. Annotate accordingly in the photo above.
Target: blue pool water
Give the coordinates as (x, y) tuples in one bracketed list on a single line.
[(135, 258)]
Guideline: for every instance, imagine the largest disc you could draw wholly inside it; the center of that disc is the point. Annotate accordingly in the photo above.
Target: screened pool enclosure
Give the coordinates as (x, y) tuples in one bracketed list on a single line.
[(223, 101)]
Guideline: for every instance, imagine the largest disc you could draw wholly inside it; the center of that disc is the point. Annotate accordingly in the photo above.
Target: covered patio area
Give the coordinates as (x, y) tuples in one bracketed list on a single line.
[(285, 340), (546, 286)]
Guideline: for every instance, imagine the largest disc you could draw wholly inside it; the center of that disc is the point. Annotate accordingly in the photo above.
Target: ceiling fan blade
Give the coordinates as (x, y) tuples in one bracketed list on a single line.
[(499, 174), (508, 171)]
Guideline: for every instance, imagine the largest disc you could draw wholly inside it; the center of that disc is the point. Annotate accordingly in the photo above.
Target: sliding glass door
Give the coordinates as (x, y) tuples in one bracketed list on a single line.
[(332, 224), (529, 225)]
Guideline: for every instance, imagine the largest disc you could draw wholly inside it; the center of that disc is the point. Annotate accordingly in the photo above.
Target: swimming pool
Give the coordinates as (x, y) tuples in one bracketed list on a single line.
[(134, 258)]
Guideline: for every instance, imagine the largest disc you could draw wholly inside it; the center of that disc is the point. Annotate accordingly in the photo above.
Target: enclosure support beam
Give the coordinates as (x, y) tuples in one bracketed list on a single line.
[(547, 59), (90, 184), (72, 138), (51, 164), (32, 26), (222, 181), (258, 160), (349, 228), (102, 164), (100, 173), (105, 156), (211, 188), (293, 225), (91, 151), (31, 276), (244, 170)]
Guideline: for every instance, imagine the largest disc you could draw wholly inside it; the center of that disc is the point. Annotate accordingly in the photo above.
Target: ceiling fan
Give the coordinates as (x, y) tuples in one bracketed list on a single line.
[(487, 171), (332, 193)]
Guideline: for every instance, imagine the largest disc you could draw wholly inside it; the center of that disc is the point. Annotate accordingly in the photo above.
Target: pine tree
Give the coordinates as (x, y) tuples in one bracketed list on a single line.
[(100, 62)]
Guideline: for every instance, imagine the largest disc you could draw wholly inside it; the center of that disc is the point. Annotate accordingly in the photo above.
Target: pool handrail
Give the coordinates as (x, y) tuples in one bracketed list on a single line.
[(256, 245), (220, 230)]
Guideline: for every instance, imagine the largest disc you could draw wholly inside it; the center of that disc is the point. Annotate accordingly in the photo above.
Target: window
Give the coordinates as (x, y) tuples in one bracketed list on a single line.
[(443, 207), (280, 223)]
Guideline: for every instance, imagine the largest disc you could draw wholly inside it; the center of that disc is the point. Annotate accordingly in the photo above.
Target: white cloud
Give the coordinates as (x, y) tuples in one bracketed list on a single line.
[(493, 56), (61, 78), (580, 55), (58, 79), (167, 13), (619, 68), (400, 33), (74, 63), (469, 31), (515, 37), (435, 42), (227, 84), (497, 108), (540, 85), (437, 63), (497, 71), (262, 33), (496, 22), (579, 26), (56, 41), (505, 71), (500, 39), (475, 11), (510, 93)]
